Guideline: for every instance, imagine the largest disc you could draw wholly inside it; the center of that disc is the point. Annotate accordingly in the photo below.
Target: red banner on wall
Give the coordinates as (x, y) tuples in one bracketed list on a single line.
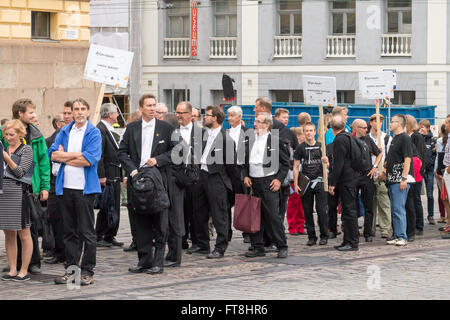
[(194, 27)]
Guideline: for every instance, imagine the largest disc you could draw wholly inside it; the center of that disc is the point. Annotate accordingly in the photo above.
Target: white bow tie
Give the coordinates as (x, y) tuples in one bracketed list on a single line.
[(184, 128), (147, 125)]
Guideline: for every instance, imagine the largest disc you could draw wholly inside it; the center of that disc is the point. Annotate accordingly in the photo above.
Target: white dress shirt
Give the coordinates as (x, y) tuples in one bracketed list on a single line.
[(257, 157), (185, 132), (212, 134), (74, 176), (234, 134), (111, 130), (148, 131)]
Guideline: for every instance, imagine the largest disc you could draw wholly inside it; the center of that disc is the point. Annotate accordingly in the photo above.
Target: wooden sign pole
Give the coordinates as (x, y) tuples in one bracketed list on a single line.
[(96, 116), (377, 104), (324, 150)]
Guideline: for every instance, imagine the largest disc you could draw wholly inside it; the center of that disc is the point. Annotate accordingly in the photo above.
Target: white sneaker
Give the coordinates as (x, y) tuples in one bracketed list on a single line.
[(393, 241), (401, 242)]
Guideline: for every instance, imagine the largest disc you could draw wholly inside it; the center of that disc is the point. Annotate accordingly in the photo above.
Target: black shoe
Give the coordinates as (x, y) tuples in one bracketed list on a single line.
[(339, 246), (369, 239), (7, 277), (155, 270), (391, 238), (311, 242), (132, 247), (104, 243), (54, 260), (255, 253), (215, 255), (116, 243), (48, 254), (347, 247), (184, 245), (34, 269), (138, 269), (249, 249), (21, 279), (282, 253), (411, 239), (332, 235), (419, 232), (323, 242), (271, 248), (168, 263), (247, 238), (197, 249)]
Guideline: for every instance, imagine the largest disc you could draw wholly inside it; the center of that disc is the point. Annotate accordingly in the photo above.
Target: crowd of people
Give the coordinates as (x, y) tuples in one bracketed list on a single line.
[(182, 171)]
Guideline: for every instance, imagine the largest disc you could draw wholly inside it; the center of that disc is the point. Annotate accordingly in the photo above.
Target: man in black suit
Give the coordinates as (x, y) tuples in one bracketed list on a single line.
[(148, 142), (266, 166), (238, 133), (217, 166), (110, 173)]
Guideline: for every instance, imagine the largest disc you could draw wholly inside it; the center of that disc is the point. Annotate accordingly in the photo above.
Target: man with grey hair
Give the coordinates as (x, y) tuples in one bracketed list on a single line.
[(161, 110), (110, 176), (237, 133), (197, 116)]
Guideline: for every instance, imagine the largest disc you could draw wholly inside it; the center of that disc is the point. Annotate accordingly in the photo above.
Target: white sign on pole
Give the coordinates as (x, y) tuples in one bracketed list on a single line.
[(394, 80), (319, 90), (376, 85), (108, 65)]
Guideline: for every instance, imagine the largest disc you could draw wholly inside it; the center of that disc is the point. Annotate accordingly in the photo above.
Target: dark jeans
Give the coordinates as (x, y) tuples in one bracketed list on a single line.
[(429, 184), (367, 187), (270, 219), (101, 227), (78, 219), (56, 221), (321, 207), (347, 193), (417, 190), (410, 213)]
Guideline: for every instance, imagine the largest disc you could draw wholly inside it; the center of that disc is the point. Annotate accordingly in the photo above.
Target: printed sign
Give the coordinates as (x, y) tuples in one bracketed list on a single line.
[(376, 85), (319, 90), (194, 27), (71, 34), (108, 65)]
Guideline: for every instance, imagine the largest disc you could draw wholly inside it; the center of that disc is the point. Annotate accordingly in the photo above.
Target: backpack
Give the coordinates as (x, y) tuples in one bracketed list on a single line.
[(361, 160), (187, 175), (149, 196)]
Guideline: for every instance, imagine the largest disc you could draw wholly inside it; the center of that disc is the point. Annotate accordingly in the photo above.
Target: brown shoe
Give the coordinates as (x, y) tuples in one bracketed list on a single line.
[(63, 279), (86, 280)]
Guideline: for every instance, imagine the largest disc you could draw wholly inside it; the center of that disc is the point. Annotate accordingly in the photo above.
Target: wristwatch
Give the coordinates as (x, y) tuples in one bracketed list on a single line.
[(375, 166), (404, 179)]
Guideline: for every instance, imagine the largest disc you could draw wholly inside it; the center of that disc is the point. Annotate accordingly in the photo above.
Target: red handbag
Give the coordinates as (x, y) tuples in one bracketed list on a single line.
[(247, 213)]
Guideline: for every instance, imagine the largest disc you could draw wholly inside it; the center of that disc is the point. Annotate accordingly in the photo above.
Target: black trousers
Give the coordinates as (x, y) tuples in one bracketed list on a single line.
[(189, 223), (101, 227), (333, 202), (176, 221), (410, 213), (211, 199), (56, 221), (131, 212), (320, 196), (367, 187), (151, 238), (347, 193), (78, 219), (285, 192), (270, 218), (238, 188)]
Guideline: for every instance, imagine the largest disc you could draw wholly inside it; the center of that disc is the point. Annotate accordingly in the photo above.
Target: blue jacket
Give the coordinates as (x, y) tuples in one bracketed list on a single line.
[(92, 151)]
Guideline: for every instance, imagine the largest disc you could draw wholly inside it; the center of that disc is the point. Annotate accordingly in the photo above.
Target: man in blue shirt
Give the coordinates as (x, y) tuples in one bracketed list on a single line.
[(77, 149)]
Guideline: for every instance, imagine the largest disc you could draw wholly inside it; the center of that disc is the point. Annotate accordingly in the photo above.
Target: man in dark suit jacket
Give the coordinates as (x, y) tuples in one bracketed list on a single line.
[(110, 173), (148, 142), (217, 165)]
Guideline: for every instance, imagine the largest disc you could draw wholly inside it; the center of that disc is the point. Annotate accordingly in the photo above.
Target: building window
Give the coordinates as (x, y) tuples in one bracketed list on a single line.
[(345, 96), (399, 16), (179, 23), (225, 18), (343, 17), (287, 95), (290, 17), (40, 25), (175, 96), (404, 97)]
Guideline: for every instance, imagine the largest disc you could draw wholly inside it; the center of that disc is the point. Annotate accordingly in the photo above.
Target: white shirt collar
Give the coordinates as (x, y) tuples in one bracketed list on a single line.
[(83, 128), (149, 124), (237, 128), (106, 123), (189, 126), (214, 132)]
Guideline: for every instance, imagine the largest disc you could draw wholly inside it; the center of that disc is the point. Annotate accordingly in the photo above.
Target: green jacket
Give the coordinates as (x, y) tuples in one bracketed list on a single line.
[(41, 174)]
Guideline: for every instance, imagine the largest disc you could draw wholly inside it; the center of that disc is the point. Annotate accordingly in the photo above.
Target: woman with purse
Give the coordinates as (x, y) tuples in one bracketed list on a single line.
[(14, 207)]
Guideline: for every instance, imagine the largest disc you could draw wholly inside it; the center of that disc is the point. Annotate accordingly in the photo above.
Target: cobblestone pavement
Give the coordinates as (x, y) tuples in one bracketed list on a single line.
[(377, 271)]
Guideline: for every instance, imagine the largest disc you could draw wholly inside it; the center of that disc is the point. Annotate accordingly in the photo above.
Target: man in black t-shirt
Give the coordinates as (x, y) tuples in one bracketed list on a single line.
[(309, 155), (399, 171), (364, 180)]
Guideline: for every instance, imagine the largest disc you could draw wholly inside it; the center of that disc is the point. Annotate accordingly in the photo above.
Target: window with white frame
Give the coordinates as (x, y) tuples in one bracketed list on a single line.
[(225, 18), (343, 17), (399, 18), (287, 95), (404, 97), (179, 23), (345, 96), (290, 17)]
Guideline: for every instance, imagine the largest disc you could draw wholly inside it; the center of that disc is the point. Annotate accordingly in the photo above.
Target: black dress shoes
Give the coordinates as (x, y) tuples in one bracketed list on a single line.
[(155, 270), (53, 260), (138, 269), (116, 243), (35, 269), (369, 239), (323, 242), (347, 247), (132, 247), (332, 235), (215, 255), (168, 263), (255, 253), (103, 243), (271, 248), (311, 242), (339, 246), (197, 249), (282, 253)]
